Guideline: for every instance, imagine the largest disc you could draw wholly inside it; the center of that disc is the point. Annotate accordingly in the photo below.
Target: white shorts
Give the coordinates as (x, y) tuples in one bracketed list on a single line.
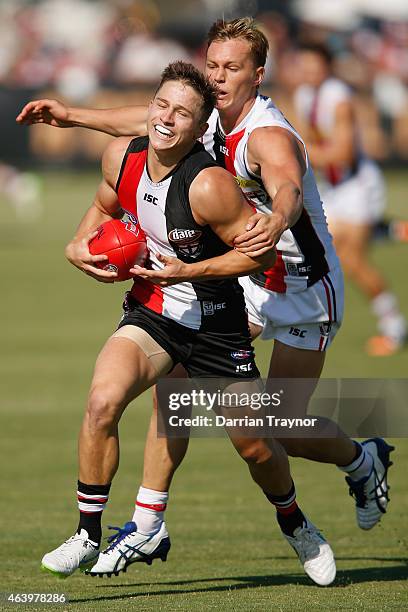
[(360, 200), (308, 319)]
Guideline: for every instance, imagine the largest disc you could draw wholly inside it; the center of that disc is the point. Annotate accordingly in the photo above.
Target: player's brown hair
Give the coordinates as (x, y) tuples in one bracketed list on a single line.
[(190, 75), (245, 28)]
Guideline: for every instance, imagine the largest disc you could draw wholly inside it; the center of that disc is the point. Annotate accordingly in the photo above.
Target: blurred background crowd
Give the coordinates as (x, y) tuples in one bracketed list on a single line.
[(105, 53)]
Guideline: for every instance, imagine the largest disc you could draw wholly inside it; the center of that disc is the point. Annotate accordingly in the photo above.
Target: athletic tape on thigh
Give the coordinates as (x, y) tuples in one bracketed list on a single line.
[(160, 360)]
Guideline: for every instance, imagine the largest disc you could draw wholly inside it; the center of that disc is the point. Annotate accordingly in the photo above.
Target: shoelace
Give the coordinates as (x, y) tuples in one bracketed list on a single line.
[(306, 538), (71, 539), (357, 490), (122, 533), (307, 535)]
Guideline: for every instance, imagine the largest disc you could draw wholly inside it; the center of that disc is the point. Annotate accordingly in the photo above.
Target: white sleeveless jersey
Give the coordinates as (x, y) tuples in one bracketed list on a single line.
[(305, 252), (317, 108)]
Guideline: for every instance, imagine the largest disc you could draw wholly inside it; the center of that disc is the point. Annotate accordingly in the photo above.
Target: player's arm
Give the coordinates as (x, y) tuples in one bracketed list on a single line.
[(122, 121), (338, 149), (216, 201), (105, 206), (276, 155)]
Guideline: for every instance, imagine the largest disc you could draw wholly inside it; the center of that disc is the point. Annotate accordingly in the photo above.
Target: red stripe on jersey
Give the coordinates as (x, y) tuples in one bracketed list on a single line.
[(130, 179), (275, 277), (322, 339), (231, 143), (155, 507), (148, 294)]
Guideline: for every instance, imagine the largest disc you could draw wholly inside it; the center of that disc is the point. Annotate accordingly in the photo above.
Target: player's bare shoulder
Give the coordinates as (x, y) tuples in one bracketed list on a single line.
[(274, 145), (212, 193), (112, 158)]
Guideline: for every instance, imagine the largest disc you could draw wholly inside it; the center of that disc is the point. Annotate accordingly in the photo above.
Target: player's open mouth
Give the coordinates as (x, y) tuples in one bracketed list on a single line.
[(163, 132)]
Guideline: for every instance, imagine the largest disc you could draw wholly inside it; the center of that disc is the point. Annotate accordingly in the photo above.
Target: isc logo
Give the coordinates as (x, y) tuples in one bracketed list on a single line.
[(245, 367), (295, 331), (209, 308), (224, 150), (148, 197)]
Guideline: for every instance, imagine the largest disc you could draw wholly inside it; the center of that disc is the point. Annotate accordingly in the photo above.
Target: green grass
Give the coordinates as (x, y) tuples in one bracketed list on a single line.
[(227, 552)]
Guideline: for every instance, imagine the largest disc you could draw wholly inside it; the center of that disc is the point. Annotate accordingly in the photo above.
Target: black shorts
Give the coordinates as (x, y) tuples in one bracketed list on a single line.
[(204, 354)]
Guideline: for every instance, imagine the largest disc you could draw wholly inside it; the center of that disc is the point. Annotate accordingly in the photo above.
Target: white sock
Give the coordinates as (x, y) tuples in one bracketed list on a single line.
[(360, 467), (391, 322), (149, 510)]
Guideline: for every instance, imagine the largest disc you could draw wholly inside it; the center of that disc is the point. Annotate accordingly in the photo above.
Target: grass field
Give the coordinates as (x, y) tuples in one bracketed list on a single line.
[(227, 552)]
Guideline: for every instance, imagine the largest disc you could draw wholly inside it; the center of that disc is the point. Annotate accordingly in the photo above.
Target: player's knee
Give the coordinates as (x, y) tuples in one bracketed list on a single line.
[(293, 446), (103, 410), (254, 451)]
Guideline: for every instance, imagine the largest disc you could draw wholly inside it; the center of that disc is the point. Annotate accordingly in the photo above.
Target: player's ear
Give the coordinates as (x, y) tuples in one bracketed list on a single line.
[(259, 76)]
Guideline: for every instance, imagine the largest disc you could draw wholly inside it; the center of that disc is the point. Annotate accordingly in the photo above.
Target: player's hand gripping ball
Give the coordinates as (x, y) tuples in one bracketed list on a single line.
[(124, 242)]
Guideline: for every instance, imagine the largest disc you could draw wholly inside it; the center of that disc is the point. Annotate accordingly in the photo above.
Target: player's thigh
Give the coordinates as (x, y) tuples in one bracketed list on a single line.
[(175, 378), (125, 368), (292, 362), (178, 372), (288, 362)]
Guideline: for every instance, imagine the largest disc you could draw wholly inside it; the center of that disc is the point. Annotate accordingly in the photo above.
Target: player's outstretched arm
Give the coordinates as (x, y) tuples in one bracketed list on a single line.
[(216, 201), (104, 207), (122, 121), (277, 157)]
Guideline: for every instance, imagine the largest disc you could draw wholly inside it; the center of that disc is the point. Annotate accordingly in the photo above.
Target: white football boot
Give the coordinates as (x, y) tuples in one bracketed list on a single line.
[(371, 492), (127, 547), (76, 552), (314, 553)]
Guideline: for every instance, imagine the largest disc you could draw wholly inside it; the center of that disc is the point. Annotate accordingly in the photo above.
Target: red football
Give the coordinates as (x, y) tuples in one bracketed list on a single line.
[(124, 242)]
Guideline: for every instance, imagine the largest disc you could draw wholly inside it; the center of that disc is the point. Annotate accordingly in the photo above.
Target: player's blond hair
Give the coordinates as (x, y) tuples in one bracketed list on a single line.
[(246, 28)]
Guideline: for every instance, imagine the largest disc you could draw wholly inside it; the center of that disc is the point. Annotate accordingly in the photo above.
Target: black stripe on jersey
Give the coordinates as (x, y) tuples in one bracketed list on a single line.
[(312, 249), (204, 242), (219, 141), (135, 146), (327, 277)]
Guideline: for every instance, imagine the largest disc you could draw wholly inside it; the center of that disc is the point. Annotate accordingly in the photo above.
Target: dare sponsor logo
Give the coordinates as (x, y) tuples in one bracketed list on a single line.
[(186, 241)]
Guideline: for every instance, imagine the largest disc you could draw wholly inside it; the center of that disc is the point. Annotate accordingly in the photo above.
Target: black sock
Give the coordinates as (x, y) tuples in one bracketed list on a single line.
[(288, 513), (291, 521), (91, 502)]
